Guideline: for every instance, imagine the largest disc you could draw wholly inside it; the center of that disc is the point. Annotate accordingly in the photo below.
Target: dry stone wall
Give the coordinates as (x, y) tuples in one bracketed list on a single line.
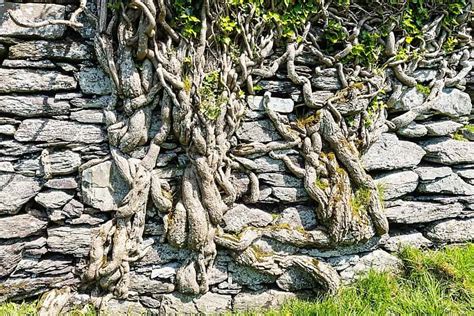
[(56, 174)]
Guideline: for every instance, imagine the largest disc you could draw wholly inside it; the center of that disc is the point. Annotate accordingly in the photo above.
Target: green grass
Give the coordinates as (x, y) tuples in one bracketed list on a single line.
[(435, 282)]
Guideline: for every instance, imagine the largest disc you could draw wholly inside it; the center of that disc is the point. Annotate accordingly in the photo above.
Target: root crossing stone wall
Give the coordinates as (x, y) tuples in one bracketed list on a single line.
[(58, 185)]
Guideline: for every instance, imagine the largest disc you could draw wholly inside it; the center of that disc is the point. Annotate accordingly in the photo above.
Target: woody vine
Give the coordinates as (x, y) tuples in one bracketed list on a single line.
[(190, 64)]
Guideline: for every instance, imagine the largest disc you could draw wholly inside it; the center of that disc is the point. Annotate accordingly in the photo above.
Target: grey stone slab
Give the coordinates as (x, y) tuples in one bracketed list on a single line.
[(213, 303), (448, 151), (268, 299), (411, 212), (413, 130), (21, 63), (49, 130), (88, 116), (452, 103), (452, 231), (442, 128), (280, 180), (29, 80), (432, 173), (10, 256), (396, 184), (64, 50), (257, 131), (378, 260), (53, 198), (7, 129), (103, 187), (240, 216), (390, 153), (15, 191), (72, 240), (280, 105), (413, 238), (32, 106), (34, 12), (21, 226), (452, 184)]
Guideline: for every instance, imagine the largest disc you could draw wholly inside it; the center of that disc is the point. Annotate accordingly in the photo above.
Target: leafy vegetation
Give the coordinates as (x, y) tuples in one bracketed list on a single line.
[(210, 95)]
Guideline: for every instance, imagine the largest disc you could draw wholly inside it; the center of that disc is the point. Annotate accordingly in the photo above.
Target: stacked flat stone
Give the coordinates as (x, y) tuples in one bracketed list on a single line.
[(58, 183)]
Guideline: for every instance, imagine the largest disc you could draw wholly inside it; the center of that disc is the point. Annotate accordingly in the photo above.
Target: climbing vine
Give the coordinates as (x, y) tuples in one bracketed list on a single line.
[(189, 64)]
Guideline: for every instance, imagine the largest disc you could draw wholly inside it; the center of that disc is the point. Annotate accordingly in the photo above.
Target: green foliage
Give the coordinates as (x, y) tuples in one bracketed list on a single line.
[(469, 128), (368, 51), (435, 283), (334, 32), (323, 185), (186, 20), (360, 200), (12, 309), (375, 106), (423, 89), (292, 16), (114, 5), (450, 44), (459, 137), (210, 95)]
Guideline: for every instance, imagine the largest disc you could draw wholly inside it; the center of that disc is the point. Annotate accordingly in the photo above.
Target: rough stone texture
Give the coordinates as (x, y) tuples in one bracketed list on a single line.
[(15, 191), (123, 308), (103, 188), (73, 240), (327, 79), (143, 284), (48, 130), (452, 231), (62, 162), (25, 80), (51, 128), (71, 51), (295, 280), (261, 300), (212, 303), (413, 130), (297, 217), (390, 153), (421, 212), (94, 81), (10, 256), (377, 260), (53, 198), (396, 184), (33, 12), (453, 103), (240, 216), (280, 180), (20, 226), (258, 131), (290, 195), (20, 63), (88, 116), (432, 173), (397, 241), (442, 128), (448, 151), (32, 106), (276, 104), (175, 304), (410, 98), (452, 184)]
